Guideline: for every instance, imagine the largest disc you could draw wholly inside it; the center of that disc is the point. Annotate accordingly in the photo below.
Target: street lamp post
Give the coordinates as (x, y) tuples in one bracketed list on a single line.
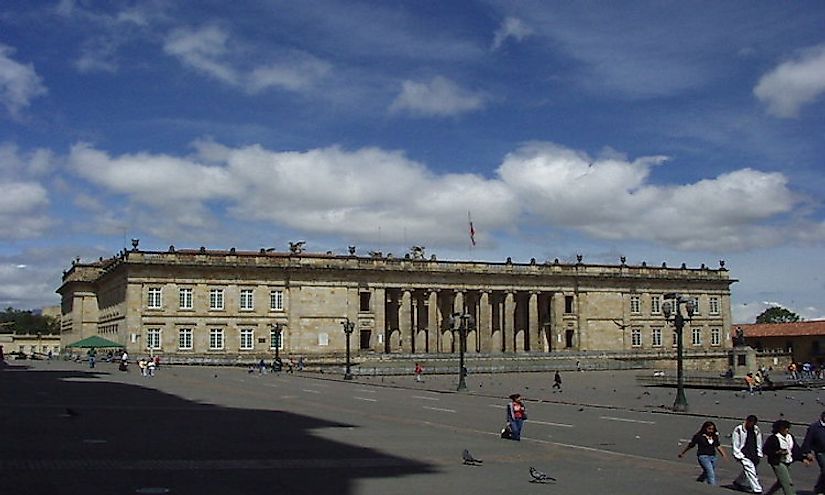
[(278, 328), (461, 322), (349, 327), (674, 308)]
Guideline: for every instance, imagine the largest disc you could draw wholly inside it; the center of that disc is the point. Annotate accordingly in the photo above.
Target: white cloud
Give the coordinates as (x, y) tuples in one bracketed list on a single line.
[(611, 198), (19, 83), (438, 98), (793, 83), (210, 51), (294, 76), (511, 27), (203, 49)]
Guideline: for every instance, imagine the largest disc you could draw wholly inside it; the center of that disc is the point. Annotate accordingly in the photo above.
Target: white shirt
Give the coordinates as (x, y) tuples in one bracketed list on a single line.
[(786, 443)]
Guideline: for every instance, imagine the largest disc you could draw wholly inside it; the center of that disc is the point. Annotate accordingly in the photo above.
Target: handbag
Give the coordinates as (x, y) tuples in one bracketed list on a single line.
[(507, 431)]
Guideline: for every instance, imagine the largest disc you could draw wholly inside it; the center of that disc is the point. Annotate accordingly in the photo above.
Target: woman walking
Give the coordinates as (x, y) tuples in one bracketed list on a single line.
[(706, 441), (516, 414), (782, 450)]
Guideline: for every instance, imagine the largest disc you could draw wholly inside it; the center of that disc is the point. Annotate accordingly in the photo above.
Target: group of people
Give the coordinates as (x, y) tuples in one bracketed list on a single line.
[(806, 371), (148, 365), (780, 449)]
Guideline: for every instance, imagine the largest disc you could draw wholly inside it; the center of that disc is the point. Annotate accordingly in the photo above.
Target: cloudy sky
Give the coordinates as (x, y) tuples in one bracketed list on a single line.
[(664, 132)]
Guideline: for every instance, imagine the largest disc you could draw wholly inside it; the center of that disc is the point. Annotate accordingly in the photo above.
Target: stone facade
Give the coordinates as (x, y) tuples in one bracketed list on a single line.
[(202, 303)]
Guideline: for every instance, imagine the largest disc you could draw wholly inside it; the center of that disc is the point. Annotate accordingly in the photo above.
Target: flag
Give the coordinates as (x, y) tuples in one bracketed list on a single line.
[(472, 230)]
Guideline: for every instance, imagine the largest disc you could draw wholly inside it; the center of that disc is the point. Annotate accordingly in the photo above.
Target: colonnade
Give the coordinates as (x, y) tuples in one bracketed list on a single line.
[(417, 321)]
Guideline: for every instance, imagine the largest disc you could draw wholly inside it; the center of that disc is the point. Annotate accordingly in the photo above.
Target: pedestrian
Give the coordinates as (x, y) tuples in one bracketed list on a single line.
[(150, 366), (516, 416), (289, 365), (813, 447), (750, 382), (781, 450), (142, 365), (706, 441), (261, 367), (301, 363), (578, 365), (419, 370), (557, 381), (746, 445), (92, 353)]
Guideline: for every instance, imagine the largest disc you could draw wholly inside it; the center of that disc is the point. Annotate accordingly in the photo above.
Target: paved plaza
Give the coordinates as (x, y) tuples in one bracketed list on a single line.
[(67, 429)]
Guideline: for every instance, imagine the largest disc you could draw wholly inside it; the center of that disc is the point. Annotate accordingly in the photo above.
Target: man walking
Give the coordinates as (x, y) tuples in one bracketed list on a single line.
[(746, 443), (557, 381), (814, 448)]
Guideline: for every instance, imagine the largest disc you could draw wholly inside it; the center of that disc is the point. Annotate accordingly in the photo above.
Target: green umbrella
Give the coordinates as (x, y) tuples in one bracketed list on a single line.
[(97, 342)]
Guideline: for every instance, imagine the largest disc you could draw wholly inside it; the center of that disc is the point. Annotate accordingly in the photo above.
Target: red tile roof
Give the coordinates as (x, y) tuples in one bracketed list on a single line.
[(798, 329)]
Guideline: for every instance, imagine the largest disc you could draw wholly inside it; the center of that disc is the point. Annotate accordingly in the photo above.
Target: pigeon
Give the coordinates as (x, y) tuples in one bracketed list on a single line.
[(539, 477), (70, 413), (469, 460)]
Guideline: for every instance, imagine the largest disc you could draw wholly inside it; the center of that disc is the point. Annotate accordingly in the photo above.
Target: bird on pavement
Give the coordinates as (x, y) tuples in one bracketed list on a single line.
[(70, 413), (469, 459), (540, 477)]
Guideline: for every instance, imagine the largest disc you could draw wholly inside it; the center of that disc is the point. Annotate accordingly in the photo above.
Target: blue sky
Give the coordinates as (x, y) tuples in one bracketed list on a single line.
[(663, 131)]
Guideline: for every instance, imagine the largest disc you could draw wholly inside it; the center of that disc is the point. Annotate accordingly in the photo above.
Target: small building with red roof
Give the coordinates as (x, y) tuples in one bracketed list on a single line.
[(805, 340)]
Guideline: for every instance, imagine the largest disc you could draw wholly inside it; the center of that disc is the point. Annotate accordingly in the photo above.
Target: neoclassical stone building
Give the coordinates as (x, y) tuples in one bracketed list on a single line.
[(227, 304)]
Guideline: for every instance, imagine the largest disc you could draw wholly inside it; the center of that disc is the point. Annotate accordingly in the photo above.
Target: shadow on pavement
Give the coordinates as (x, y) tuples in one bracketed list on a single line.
[(64, 432)]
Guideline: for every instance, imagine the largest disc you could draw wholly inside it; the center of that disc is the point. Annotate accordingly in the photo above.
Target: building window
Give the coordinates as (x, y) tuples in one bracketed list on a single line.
[(675, 338), (656, 337), (276, 300), (636, 337), (185, 339), (635, 305), (364, 301), (713, 305), (247, 303), (216, 339), (153, 339), (247, 336), (696, 336), (276, 339), (715, 336), (323, 339), (696, 305), (655, 304), (186, 298), (154, 301), (568, 304), (216, 299)]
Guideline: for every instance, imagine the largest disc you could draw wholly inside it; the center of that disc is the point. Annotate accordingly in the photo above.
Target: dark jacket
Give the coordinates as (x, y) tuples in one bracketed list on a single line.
[(771, 450), (814, 438)]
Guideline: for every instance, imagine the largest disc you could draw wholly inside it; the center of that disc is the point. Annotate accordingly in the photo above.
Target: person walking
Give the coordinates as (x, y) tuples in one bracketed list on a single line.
[(557, 380), (706, 441), (419, 370), (516, 416), (92, 353), (781, 450), (813, 447), (746, 446)]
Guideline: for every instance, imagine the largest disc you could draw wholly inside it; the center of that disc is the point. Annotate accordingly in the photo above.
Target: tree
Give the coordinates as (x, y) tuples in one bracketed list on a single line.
[(27, 322), (777, 314)]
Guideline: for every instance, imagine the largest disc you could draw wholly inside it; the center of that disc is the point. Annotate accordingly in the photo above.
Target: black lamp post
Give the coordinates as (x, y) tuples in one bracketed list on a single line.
[(278, 328), (349, 327), (674, 308), (461, 322)]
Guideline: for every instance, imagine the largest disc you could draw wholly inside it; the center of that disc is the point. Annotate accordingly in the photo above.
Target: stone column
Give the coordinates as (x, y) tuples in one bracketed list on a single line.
[(508, 330), (432, 322), (533, 326), (380, 313), (485, 321), (405, 321)]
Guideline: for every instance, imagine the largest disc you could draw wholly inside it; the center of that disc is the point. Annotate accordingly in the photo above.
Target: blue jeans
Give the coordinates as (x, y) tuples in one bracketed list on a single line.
[(708, 463), (516, 426)]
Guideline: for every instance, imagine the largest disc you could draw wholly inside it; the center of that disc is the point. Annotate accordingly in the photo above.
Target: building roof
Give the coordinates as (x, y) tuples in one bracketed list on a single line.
[(796, 329)]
